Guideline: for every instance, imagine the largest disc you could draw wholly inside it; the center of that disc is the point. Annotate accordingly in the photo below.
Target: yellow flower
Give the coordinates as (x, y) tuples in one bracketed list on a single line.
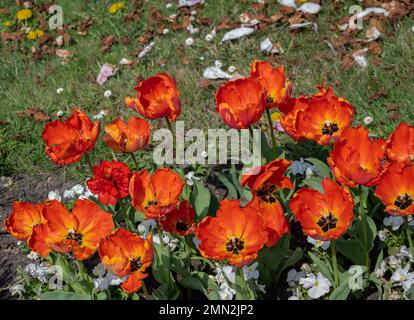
[(33, 35), (302, 1), (24, 14), (115, 7), (275, 116), (7, 23)]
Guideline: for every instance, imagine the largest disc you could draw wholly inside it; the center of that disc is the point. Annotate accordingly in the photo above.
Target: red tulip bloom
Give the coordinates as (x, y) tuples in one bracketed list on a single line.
[(156, 194), (23, 218), (78, 232), (400, 145), (235, 235), (241, 102), (323, 216), (126, 254), (356, 159), (180, 221), (320, 118), (273, 81), (157, 98), (275, 222), (110, 181), (67, 142), (396, 189), (127, 137), (266, 180)]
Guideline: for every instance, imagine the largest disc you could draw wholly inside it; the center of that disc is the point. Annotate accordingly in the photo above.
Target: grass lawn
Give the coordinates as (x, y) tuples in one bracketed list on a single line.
[(27, 82)]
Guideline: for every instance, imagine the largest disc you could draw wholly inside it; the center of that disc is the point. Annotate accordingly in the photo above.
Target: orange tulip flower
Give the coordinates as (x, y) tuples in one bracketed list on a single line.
[(400, 145), (78, 232), (180, 221), (23, 218), (67, 142), (356, 159), (288, 121), (241, 102), (126, 254), (157, 194), (158, 97), (235, 235), (127, 137), (321, 118), (266, 180), (396, 189), (323, 216), (275, 222), (273, 81)]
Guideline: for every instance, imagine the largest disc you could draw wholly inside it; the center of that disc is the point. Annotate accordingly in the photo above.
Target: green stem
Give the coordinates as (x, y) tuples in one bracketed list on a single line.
[(160, 235), (272, 133), (90, 163), (172, 130), (362, 216), (410, 240), (135, 161), (335, 263), (144, 288)]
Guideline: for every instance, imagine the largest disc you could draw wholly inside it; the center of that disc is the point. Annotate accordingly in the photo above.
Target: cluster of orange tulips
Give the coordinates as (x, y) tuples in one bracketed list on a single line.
[(234, 233)]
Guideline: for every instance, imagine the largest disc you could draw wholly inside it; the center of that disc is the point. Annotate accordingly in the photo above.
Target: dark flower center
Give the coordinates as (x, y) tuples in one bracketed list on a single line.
[(135, 264), (76, 236), (266, 193), (181, 226), (329, 128), (403, 201), (269, 99), (235, 245), (151, 203), (327, 222)]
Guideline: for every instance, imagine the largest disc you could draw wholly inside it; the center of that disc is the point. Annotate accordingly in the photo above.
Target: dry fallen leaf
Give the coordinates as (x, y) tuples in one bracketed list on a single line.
[(34, 113)]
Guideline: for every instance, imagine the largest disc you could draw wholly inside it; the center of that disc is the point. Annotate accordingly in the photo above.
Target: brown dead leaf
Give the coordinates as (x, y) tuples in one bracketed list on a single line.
[(375, 48), (392, 107), (394, 116), (4, 122), (11, 36), (381, 93), (34, 113)]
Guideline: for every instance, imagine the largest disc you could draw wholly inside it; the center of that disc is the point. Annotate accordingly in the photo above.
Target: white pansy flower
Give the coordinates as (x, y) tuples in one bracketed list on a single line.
[(76, 190), (146, 226), (251, 272), (226, 293), (382, 234), (294, 276), (405, 253), (59, 114), (33, 256), (99, 270), (172, 244), (319, 243), (402, 277), (393, 222), (189, 177), (107, 93), (317, 286), (231, 69), (54, 195)]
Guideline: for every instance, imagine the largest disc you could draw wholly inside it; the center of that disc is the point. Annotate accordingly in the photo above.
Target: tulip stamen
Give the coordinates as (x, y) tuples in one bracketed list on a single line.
[(329, 128), (403, 201), (327, 222), (235, 245), (266, 193), (181, 226), (135, 264), (76, 236)]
